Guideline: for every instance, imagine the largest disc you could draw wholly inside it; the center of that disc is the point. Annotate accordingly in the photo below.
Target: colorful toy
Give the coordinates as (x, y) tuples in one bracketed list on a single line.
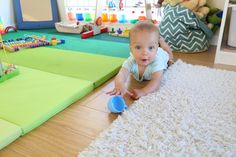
[(7, 70), (116, 104), (70, 16), (9, 28), (120, 32), (213, 19), (31, 41), (115, 11), (2, 30), (117, 14), (96, 26), (5, 30), (105, 17), (113, 18), (84, 24)]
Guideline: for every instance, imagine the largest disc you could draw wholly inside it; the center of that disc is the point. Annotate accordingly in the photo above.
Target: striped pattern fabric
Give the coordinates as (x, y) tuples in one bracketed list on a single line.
[(181, 29)]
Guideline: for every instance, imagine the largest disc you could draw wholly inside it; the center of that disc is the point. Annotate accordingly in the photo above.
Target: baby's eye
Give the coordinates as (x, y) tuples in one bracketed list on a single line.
[(137, 47), (151, 47)]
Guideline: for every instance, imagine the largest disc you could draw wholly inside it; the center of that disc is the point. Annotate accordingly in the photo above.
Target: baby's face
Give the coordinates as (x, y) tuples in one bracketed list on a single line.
[(143, 46)]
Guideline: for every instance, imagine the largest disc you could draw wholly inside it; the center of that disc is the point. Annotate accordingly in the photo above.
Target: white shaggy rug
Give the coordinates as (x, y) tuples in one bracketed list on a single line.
[(192, 115)]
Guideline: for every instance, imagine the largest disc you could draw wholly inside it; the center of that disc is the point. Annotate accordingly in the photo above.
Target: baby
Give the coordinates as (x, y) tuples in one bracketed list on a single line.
[(146, 62)]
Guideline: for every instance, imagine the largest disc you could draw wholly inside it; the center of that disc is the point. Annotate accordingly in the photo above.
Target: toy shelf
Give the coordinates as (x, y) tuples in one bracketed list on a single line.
[(225, 54), (135, 7)]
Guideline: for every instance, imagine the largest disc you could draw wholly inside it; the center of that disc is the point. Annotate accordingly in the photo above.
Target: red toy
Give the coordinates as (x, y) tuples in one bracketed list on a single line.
[(97, 28)]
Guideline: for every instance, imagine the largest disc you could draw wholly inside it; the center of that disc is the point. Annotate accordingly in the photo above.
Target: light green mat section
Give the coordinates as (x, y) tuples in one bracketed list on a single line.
[(74, 42), (8, 133), (33, 96), (94, 68)]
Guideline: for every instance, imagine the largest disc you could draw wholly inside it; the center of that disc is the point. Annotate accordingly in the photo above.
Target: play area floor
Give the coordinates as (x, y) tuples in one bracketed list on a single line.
[(52, 78), (86, 66)]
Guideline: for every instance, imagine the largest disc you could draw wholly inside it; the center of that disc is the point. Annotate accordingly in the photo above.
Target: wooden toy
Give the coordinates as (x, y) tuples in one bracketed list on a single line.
[(31, 41)]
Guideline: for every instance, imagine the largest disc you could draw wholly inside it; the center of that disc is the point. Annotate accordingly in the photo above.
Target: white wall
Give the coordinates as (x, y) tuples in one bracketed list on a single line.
[(62, 10), (7, 13)]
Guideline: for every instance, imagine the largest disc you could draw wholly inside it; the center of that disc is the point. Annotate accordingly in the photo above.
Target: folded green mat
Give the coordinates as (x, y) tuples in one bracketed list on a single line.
[(105, 46), (8, 133), (94, 68), (32, 97)]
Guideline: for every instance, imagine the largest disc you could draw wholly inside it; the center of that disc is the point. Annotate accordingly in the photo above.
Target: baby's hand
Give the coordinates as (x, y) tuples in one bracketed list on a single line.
[(171, 59), (119, 91), (170, 62), (137, 93)]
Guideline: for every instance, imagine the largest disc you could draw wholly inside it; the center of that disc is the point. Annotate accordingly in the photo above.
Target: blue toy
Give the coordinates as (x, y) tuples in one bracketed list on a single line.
[(116, 104)]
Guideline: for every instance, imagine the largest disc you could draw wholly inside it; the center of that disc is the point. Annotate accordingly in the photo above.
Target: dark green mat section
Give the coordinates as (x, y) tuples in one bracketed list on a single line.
[(101, 44), (9, 132), (94, 68), (106, 37), (33, 96), (103, 36)]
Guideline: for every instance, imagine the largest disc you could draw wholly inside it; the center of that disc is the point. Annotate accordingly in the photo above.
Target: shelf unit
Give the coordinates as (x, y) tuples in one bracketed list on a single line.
[(225, 54), (131, 8)]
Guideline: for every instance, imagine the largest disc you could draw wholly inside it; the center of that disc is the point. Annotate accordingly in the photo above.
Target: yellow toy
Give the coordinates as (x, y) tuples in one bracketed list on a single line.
[(120, 33), (197, 6)]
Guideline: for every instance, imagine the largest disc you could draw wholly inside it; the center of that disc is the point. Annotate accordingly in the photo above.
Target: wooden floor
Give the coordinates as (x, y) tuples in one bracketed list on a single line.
[(70, 131)]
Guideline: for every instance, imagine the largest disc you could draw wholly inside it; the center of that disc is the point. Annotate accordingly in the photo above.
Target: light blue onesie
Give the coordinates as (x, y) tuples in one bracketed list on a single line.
[(160, 63)]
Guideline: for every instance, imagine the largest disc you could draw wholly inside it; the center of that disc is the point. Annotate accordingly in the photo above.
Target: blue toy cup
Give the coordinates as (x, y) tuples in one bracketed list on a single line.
[(79, 16), (116, 104), (122, 19)]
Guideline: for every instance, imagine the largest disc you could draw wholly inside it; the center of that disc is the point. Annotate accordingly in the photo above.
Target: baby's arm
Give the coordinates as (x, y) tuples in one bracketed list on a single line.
[(152, 85), (167, 48), (120, 81)]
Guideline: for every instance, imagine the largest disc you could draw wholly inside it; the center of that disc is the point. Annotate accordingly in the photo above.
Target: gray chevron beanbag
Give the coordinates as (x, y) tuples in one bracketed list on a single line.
[(183, 31)]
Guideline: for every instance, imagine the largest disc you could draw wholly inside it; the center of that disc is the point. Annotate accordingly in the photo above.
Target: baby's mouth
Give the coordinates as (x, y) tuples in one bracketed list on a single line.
[(144, 60)]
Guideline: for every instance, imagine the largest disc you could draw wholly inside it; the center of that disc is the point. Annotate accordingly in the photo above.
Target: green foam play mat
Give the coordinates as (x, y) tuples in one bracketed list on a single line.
[(94, 68), (33, 96), (102, 36), (102, 44), (8, 133)]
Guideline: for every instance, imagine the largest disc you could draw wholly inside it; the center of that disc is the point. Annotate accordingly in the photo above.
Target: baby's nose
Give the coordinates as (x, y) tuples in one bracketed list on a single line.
[(145, 52)]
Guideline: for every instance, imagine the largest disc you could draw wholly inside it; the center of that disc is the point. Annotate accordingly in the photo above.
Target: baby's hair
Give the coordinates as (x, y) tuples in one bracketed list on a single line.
[(144, 26)]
